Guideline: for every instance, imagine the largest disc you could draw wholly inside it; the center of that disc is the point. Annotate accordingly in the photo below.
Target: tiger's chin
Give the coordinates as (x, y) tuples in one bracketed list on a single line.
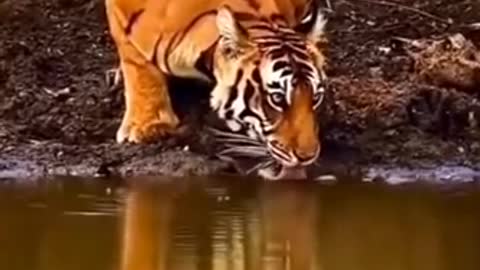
[(280, 172)]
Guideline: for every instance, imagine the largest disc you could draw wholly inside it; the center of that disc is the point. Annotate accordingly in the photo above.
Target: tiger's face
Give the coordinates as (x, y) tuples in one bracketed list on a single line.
[(270, 82)]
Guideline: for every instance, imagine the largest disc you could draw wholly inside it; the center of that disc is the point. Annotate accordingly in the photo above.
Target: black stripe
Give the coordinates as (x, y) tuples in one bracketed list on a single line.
[(286, 72), (265, 27), (155, 50), (179, 36), (274, 85), (297, 41), (194, 21), (267, 132), (229, 114), (276, 53), (244, 16), (204, 63), (253, 4), (132, 62), (234, 90), (298, 51), (307, 26), (133, 20), (280, 152), (302, 67), (256, 76), (271, 43), (279, 65), (277, 17), (267, 39), (249, 92), (301, 57)]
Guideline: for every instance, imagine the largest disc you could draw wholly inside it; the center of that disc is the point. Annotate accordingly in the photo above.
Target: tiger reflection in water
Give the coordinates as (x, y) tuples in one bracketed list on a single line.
[(276, 232)]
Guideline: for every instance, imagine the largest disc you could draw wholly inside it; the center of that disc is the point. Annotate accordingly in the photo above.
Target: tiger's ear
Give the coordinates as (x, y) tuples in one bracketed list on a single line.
[(312, 24), (317, 33), (233, 38)]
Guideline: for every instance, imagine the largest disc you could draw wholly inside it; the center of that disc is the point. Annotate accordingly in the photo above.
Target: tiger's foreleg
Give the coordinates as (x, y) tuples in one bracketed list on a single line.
[(148, 111)]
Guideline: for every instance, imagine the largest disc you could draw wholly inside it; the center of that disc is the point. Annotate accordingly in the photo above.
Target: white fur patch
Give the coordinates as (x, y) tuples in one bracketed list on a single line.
[(318, 29)]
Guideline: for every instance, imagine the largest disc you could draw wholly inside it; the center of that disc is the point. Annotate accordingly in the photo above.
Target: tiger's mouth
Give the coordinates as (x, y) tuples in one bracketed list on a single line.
[(250, 156)]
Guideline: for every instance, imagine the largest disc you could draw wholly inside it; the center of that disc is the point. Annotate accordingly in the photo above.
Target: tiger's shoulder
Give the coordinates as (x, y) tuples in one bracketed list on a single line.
[(180, 13), (155, 26)]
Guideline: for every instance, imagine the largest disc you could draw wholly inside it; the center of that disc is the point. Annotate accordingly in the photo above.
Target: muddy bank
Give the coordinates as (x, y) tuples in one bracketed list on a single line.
[(59, 116)]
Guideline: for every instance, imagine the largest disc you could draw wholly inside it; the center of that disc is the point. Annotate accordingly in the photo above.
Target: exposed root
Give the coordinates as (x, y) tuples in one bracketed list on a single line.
[(453, 61)]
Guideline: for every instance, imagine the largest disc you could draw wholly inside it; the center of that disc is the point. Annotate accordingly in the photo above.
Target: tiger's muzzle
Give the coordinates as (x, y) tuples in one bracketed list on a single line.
[(289, 157)]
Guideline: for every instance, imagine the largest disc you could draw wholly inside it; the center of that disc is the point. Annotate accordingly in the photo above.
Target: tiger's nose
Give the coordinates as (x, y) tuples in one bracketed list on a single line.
[(307, 156)]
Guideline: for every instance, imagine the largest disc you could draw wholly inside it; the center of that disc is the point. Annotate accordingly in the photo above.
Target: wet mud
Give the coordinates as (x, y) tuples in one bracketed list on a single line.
[(58, 115)]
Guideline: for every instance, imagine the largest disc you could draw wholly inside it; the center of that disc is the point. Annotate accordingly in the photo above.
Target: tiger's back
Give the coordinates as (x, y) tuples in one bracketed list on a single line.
[(176, 15), (151, 25)]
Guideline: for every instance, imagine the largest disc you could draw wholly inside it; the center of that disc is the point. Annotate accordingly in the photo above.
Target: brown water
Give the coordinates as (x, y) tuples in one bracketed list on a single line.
[(70, 224)]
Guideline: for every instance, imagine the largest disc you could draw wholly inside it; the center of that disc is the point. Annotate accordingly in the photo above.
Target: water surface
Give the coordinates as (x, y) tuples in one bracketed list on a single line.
[(220, 224)]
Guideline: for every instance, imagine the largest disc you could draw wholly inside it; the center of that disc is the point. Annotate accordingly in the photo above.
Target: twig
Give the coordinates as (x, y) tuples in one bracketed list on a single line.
[(415, 10), (329, 4), (377, 30), (411, 42), (473, 26), (113, 77), (61, 92)]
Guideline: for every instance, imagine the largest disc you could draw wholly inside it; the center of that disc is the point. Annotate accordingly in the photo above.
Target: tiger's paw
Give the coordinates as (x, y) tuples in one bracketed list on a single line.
[(148, 131)]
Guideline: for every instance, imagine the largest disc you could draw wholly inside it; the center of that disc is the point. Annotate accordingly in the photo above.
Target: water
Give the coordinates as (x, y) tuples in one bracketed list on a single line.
[(220, 224)]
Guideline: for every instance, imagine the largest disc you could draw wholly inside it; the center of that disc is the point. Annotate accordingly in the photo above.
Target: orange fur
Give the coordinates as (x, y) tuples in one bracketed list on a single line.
[(145, 227), (151, 25), (298, 128), (205, 40)]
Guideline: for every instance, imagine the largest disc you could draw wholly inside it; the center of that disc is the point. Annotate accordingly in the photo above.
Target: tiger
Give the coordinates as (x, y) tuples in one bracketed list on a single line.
[(264, 58)]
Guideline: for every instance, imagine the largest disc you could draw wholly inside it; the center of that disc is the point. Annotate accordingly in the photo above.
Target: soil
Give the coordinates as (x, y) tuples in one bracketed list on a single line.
[(58, 115)]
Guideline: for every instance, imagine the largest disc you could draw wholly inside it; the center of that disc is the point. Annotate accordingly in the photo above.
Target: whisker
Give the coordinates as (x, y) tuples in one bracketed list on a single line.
[(224, 136), (235, 145), (244, 144), (261, 166), (239, 141), (248, 150), (225, 157), (255, 168), (218, 132)]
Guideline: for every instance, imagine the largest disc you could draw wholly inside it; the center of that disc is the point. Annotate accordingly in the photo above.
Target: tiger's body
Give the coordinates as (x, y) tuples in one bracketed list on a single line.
[(261, 55)]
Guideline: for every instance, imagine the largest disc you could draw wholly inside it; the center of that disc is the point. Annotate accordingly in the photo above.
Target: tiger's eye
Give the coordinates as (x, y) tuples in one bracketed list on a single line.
[(278, 100)]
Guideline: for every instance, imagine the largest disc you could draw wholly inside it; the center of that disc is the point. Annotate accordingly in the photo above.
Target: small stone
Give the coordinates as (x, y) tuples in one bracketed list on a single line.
[(326, 177), (384, 49), (376, 71)]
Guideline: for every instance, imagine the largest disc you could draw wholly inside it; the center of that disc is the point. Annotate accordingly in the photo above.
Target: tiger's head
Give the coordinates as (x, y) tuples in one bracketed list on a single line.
[(270, 81)]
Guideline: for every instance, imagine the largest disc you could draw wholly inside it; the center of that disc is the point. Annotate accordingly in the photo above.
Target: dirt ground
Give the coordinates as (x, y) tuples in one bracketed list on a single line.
[(58, 115)]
